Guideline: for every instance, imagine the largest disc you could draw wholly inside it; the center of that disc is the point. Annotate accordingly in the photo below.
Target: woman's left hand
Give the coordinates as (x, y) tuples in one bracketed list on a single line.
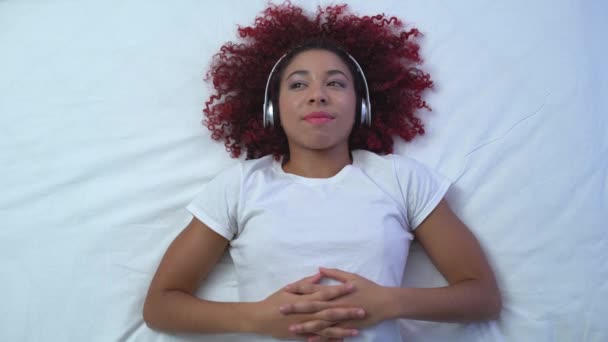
[(369, 296)]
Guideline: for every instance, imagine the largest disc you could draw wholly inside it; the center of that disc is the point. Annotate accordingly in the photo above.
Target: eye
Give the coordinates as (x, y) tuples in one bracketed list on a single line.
[(296, 85), (340, 84)]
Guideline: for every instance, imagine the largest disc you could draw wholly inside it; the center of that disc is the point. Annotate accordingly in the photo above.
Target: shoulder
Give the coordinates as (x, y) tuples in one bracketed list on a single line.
[(402, 170), (243, 169), (388, 163), (379, 169), (252, 169), (371, 162), (255, 165), (405, 165)]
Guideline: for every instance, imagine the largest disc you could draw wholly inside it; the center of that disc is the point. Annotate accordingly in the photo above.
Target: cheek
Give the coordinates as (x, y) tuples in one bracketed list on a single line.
[(349, 103), (286, 105)]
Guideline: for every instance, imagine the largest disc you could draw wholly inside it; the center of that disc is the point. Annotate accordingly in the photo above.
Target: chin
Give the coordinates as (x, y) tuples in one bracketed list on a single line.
[(320, 144), (314, 146)]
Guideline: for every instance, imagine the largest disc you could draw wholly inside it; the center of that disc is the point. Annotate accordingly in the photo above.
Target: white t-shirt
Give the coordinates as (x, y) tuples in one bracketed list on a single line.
[(283, 227)]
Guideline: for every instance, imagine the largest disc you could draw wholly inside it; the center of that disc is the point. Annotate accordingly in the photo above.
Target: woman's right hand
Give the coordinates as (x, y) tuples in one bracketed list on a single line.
[(268, 319)]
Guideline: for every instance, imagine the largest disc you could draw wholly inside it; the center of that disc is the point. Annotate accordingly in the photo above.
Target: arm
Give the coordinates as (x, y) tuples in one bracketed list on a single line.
[(472, 293), (171, 305)]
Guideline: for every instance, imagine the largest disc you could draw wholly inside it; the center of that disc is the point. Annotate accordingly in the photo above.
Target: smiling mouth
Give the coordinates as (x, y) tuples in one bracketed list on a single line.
[(317, 118)]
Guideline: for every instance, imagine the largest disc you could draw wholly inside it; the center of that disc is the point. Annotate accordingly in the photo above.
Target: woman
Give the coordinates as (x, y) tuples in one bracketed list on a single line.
[(320, 190)]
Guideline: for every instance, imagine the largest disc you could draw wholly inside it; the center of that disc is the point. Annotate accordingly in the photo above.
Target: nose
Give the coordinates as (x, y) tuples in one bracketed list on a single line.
[(317, 95)]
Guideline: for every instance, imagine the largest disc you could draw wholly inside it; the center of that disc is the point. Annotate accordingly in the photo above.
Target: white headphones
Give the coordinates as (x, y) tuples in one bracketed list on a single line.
[(270, 120)]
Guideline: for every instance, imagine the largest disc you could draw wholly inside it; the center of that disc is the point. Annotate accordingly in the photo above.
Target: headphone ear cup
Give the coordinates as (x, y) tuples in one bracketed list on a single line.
[(269, 115), (358, 113), (274, 115), (364, 114)]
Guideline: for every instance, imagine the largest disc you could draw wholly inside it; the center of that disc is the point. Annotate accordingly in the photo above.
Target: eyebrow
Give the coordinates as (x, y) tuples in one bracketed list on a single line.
[(329, 72)]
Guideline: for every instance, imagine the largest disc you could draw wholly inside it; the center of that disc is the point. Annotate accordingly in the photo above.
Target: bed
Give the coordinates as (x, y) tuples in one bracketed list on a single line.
[(102, 147)]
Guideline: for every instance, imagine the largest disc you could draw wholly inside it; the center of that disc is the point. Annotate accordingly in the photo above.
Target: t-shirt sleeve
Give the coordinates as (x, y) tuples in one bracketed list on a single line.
[(217, 202), (422, 189)]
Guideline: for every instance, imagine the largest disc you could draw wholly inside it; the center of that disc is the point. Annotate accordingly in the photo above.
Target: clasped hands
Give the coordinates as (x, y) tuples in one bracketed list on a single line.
[(306, 310)]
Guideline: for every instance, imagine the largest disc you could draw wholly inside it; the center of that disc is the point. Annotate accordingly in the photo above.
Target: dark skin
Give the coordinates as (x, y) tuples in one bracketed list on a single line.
[(472, 293), (319, 81), (172, 306)]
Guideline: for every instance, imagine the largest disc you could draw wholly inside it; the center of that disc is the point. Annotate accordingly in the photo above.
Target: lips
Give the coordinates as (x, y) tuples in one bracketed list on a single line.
[(318, 117), (315, 115)]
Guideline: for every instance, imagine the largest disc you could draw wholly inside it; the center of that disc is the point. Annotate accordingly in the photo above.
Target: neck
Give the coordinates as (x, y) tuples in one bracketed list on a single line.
[(317, 163)]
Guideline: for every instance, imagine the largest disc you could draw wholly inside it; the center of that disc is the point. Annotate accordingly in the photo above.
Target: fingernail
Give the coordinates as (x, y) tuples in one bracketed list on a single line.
[(294, 328), (350, 286), (354, 333), (360, 313), (283, 308)]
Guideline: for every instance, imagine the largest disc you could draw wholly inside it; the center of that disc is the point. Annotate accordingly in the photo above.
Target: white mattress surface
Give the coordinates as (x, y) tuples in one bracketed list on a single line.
[(101, 148)]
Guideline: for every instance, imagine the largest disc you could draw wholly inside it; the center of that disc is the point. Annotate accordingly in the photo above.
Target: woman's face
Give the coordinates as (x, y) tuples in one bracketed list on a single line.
[(317, 101)]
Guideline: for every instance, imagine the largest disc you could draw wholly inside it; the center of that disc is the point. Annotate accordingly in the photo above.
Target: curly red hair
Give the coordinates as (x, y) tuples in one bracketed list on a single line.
[(388, 54)]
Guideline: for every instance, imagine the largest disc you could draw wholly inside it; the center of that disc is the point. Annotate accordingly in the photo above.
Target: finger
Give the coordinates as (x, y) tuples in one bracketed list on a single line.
[(337, 332), (304, 307), (305, 337), (340, 314), (322, 331), (318, 301), (337, 274), (309, 327), (325, 293), (313, 279), (317, 338), (304, 288)]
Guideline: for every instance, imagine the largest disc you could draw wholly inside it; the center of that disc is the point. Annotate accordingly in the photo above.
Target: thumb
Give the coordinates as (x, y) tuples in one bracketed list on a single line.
[(337, 274), (313, 279)]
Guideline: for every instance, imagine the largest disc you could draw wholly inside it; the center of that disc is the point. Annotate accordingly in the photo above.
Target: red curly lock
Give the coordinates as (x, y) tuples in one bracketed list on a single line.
[(387, 54)]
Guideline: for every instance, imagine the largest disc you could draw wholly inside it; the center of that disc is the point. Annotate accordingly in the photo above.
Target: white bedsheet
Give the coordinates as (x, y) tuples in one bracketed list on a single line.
[(101, 148)]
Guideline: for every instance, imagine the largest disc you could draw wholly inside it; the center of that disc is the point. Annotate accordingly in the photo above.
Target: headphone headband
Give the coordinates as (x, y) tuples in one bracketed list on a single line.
[(366, 118), (268, 118)]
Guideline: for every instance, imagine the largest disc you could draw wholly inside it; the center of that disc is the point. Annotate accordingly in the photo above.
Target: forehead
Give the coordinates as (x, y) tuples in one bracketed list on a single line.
[(317, 60)]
